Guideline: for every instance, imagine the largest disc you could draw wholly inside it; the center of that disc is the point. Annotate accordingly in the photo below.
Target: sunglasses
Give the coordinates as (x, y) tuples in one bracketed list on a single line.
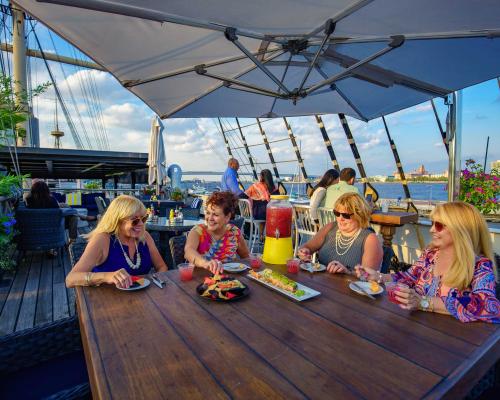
[(135, 221), (438, 226), (344, 215)]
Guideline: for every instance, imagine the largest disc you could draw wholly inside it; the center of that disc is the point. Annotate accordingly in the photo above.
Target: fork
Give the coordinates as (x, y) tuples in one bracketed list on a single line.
[(158, 281)]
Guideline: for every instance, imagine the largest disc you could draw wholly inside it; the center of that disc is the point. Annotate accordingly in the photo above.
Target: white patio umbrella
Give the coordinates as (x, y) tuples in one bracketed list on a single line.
[(157, 171), (240, 58)]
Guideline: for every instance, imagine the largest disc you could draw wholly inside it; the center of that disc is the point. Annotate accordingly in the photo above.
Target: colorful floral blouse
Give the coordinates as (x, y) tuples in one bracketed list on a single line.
[(476, 303), (223, 249)]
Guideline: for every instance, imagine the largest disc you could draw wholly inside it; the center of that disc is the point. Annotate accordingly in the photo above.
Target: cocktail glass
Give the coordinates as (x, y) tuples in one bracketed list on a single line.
[(292, 265), (392, 289), (255, 261)]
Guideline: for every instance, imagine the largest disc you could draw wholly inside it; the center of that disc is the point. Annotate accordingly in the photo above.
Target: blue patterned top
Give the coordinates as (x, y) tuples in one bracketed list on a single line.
[(116, 259)]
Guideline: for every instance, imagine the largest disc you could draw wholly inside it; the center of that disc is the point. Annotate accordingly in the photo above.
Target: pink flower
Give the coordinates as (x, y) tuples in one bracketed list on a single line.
[(479, 189), (467, 195)]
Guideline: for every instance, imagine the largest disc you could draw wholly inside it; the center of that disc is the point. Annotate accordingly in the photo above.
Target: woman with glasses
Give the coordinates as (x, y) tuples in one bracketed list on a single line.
[(216, 241), (349, 241), (117, 248), (456, 274)]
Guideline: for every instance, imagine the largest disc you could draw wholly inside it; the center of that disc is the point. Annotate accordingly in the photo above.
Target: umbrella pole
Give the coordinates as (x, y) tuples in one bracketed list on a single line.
[(328, 143), (309, 187), (271, 157), (367, 186), (454, 136)]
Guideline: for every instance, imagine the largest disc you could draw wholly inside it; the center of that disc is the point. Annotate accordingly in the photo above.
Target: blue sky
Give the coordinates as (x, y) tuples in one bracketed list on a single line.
[(196, 144)]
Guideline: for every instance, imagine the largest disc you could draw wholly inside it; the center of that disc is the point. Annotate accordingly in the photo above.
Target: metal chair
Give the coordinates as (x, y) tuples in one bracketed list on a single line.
[(101, 205), (325, 216), (177, 244), (304, 225), (245, 207), (41, 229)]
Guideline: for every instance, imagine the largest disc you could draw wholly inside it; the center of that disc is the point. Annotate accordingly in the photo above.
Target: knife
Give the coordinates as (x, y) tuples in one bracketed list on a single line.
[(157, 282), (360, 288)]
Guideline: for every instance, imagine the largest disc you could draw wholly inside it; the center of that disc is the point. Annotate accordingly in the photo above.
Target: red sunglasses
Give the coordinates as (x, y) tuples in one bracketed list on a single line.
[(344, 215), (135, 221), (438, 226)]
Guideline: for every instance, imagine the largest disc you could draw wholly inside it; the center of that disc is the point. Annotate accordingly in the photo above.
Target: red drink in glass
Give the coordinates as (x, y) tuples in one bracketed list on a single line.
[(255, 261), (279, 218), (186, 271), (392, 289), (292, 265)]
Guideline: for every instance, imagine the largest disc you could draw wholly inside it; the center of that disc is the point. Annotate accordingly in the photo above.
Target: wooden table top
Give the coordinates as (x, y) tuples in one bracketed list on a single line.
[(396, 218), (170, 343)]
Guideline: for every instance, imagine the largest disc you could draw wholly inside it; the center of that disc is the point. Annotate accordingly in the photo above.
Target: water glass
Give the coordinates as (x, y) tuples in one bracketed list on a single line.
[(186, 271)]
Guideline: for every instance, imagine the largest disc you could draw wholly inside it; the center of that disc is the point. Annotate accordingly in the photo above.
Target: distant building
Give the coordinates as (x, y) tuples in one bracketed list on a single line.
[(417, 173), (495, 165)]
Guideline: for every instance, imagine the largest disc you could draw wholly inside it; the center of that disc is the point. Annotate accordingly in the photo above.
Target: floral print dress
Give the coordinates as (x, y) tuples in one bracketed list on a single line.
[(223, 249), (478, 302)]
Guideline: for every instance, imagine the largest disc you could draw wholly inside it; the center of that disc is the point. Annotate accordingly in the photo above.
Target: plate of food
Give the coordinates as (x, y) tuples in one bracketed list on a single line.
[(234, 267), (370, 287), (312, 267), (137, 283), (283, 284), (222, 288)]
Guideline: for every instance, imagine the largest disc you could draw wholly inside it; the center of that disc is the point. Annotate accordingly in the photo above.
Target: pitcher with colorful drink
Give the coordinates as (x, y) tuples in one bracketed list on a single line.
[(278, 247)]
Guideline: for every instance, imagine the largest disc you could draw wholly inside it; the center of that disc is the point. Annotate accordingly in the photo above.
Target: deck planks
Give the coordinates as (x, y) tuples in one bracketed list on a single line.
[(36, 293)]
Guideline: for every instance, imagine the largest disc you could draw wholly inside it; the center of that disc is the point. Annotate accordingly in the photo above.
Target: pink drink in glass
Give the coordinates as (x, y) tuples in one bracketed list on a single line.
[(392, 289), (292, 265), (186, 271), (255, 261)]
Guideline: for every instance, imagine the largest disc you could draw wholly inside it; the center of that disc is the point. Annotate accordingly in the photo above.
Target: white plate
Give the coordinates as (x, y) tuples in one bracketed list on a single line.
[(366, 286), (234, 267), (146, 284), (309, 267), (309, 293)]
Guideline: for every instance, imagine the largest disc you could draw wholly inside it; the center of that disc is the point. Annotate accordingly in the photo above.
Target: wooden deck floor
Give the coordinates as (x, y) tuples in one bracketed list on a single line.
[(36, 293)]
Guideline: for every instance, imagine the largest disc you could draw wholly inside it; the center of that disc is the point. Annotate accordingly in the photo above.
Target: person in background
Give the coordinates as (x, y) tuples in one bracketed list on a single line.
[(118, 248), (260, 193), (345, 185), (331, 177), (456, 274), (229, 181), (39, 197), (349, 241), (216, 241)]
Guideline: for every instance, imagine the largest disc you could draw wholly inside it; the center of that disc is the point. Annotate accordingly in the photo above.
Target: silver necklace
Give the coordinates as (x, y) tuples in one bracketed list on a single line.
[(344, 243), (127, 258)]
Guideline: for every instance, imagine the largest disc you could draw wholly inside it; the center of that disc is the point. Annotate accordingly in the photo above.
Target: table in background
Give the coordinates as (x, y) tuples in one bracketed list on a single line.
[(389, 221), (167, 230), (170, 343)]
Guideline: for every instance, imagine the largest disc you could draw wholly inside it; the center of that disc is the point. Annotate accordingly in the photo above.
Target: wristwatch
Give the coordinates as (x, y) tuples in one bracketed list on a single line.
[(425, 303)]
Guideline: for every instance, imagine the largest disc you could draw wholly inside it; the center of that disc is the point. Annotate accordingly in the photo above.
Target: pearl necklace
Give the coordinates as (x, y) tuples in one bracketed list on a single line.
[(127, 258), (344, 243)]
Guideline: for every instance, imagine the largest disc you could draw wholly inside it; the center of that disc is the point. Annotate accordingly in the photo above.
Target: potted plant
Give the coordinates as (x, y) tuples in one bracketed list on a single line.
[(479, 188), (177, 194)]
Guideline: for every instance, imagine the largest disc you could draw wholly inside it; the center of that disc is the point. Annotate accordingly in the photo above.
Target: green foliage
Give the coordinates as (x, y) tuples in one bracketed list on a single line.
[(7, 233), (480, 189), (177, 194), (12, 109), (11, 184), (92, 185)]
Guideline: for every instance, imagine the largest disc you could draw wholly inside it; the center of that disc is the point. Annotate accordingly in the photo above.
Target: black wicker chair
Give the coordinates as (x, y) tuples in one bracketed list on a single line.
[(44, 362), (76, 249), (177, 244), (40, 229), (238, 221)]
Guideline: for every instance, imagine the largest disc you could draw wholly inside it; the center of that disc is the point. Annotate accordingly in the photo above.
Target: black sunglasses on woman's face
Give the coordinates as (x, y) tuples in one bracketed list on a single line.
[(344, 215), (135, 221)]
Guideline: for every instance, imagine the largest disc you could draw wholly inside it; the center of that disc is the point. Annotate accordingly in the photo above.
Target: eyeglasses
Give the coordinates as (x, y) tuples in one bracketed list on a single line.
[(344, 215), (438, 226), (135, 221)]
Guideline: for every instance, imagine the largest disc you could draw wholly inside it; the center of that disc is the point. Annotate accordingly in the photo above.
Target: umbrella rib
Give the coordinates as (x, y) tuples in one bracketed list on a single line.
[(153, 15), (396, 42), (282, 79), (132, 83)]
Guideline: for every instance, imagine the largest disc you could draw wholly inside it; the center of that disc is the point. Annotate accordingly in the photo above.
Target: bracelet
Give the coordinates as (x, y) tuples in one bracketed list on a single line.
[(88, 278), (380, 277)]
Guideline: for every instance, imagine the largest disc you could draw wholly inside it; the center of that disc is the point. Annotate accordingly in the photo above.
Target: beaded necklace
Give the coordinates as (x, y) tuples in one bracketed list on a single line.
[(344, 243), (127, 258)]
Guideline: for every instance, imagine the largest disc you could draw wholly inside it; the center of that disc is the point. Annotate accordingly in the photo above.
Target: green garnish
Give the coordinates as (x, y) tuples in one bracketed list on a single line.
[(299, 293)]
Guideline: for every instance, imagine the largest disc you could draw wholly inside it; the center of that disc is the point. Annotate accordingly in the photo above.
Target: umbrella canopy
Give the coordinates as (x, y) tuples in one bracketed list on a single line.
[(268, 58), (157, 171)]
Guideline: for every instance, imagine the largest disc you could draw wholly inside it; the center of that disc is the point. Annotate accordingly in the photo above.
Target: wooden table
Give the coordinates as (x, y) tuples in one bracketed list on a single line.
[(389, 221), (171, 344)]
